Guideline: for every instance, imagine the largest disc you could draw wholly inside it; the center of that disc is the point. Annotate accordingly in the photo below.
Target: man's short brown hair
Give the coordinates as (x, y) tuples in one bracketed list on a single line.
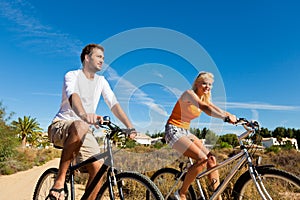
[(88, 49)]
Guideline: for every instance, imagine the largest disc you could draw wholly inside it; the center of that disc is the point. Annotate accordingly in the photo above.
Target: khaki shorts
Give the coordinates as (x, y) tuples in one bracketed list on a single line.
[(58, 132)]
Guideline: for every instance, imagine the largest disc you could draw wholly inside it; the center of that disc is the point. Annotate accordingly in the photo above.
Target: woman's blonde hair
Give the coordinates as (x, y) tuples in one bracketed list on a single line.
[(201, 76)]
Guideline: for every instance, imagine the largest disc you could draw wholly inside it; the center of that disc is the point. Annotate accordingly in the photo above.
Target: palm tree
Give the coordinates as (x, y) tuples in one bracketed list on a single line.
[(26, 127)]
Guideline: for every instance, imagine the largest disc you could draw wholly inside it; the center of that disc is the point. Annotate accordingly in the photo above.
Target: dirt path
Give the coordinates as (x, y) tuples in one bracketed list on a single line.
[(20, 186)]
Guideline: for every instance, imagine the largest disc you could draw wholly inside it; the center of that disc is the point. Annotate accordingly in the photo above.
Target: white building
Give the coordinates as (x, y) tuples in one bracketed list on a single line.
[(267, 142), (142, 138)]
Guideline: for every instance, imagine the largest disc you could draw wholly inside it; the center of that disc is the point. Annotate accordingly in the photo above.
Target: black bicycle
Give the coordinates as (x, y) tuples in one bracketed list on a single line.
[(258, 182), (118, 185)]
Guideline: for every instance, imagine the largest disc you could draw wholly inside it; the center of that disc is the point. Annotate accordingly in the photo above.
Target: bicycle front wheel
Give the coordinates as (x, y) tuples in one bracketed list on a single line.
[(167, 180), (279, 184), (45, 183), (131, 186)]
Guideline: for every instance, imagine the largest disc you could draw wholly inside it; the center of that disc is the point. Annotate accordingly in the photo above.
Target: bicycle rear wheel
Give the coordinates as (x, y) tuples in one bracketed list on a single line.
[(280, 185), (45, 183), (166, 178), (131, 186)]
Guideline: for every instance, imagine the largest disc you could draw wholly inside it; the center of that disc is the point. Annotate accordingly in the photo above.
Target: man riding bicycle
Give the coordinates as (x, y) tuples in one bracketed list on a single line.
[(71, 127)]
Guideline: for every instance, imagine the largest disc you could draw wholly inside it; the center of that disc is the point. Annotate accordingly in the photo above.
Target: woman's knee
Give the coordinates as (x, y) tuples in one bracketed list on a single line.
[(212, 161)]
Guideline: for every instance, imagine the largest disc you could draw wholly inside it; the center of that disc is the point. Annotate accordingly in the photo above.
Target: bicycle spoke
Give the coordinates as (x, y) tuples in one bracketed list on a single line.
[(279, 185), (133, 186)]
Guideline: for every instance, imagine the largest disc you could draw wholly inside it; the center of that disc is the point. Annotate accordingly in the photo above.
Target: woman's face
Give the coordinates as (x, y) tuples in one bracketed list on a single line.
[(204, 86)]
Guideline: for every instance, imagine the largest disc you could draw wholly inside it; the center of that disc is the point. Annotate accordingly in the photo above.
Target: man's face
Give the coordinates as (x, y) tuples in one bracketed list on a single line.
[(95, 60)]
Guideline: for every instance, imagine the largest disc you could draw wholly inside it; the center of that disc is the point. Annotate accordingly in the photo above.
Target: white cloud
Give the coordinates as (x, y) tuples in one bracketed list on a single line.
[(158, 74), (260, 106), (177, 92), (126, 90), (33, 33), (46, 94)]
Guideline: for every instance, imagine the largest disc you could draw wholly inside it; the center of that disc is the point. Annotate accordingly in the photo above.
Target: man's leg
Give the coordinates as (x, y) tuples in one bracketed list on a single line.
[(92, 170), (89, 148), (72, 144)]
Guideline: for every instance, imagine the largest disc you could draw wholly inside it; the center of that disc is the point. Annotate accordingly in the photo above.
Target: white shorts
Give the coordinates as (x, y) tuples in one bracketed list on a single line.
[(58, 132), (174, 133)]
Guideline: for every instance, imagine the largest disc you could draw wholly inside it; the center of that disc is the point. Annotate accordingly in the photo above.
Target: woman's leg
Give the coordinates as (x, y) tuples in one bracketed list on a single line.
[(214, 176), (211, 162), (188, 148)]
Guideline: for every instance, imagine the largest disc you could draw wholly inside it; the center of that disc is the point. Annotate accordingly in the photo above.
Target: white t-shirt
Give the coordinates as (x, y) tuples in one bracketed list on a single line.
[(89, 92)]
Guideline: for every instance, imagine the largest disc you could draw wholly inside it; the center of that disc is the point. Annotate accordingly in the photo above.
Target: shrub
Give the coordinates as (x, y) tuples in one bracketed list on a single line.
[(273, 148), (225, 145), (24, 159), (130, 144), (158, 145)]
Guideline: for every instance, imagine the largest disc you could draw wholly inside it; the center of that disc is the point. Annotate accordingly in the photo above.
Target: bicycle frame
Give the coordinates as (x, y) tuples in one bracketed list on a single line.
[(107, 167), (118, 184), (243, 158)]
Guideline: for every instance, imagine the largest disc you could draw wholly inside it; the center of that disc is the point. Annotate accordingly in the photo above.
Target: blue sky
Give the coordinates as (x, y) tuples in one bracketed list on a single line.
[(153, 51)]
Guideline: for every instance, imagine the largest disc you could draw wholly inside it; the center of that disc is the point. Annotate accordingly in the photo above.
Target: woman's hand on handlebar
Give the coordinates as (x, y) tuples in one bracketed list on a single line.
[(232, 119), (246, 123)]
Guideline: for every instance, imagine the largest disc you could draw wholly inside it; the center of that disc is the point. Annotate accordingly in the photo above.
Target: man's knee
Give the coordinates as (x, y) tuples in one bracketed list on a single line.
[(79, 128)]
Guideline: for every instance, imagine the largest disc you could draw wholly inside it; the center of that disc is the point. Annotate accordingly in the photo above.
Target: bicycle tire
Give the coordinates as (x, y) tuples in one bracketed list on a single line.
[(165, 179), (280, 185), (134, 186), (45, 183)]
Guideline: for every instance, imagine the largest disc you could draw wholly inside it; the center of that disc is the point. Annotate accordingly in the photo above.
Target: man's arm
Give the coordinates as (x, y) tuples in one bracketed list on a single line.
[(77, 106), (120, 114)]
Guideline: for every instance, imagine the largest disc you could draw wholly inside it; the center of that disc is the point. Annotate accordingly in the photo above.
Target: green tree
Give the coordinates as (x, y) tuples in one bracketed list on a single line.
[(204, 132), (3, 115), (279, 132), (297, 136), (8, 141), (290, 133), (38, 140), (230, 139), (26, 127), (196, 132), (264, 132), (210, 136)]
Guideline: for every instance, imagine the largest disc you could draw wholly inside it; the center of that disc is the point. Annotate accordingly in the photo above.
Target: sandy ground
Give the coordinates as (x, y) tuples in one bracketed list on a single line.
[(20, 186)]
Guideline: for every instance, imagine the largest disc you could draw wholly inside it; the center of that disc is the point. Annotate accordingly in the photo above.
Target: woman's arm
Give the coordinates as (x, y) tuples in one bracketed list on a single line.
[(209, 109), (218, 108), (231, 116)]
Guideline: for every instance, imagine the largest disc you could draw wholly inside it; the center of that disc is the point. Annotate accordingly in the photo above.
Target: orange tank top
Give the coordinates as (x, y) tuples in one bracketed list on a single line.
[(183, 113)]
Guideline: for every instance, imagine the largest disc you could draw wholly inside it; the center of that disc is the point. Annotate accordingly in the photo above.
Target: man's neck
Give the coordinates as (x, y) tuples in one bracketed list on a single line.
[(89, 75)]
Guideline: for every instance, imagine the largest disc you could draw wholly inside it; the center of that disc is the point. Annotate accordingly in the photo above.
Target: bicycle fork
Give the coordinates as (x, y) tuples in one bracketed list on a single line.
[(258, 182), (114, 182)]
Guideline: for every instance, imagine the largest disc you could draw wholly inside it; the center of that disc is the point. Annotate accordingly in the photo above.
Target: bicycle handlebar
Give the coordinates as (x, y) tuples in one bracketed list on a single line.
[(249, 126), (106, 123)]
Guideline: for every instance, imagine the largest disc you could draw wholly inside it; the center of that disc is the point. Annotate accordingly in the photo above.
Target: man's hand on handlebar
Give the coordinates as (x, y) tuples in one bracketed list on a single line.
[(129, 132), (91, 118), (132, 133)]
